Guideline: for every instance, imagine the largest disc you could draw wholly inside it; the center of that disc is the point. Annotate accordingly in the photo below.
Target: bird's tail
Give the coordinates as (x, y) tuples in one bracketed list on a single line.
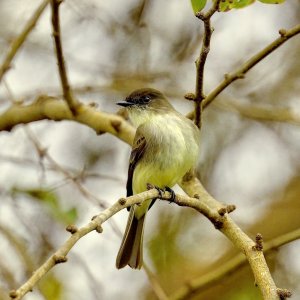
[(131, 249)]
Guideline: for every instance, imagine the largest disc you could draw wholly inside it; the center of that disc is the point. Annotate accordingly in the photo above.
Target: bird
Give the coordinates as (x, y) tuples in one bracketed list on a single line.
[(165, 148)]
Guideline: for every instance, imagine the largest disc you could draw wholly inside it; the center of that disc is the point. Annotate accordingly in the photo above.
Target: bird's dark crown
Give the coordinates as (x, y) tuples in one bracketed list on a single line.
[(143, 96)]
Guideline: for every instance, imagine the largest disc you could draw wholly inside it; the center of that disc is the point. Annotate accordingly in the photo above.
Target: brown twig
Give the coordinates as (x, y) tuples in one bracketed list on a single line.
[(285, 35), (18, 42), (200, 62), (67, 92)]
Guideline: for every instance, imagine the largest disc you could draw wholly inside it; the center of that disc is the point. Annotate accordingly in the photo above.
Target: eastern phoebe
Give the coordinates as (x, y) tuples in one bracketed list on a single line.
[(165, 147)]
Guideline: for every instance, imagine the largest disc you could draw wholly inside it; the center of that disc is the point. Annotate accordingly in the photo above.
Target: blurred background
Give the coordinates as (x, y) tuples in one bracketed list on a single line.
[(57, 173)]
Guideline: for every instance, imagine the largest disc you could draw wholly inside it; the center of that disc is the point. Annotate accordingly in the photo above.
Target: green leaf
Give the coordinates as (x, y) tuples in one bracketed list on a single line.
[(198, 5), (272, 1)]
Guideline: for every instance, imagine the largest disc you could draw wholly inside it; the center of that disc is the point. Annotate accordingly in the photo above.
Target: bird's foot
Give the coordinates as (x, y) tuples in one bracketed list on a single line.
[(173, 196)]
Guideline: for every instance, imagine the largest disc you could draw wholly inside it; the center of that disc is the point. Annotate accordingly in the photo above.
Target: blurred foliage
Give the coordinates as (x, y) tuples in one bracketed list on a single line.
[(51, 287), (151, 43), (51, 200)]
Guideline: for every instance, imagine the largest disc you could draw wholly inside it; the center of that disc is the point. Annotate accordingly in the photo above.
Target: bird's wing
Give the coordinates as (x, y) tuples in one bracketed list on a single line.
[(138, 150)]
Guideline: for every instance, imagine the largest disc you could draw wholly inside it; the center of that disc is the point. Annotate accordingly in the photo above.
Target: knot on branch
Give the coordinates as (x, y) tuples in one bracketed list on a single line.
[(282, 32), (284, 293), (13, 294), (116, 124), (58, 259), (222, 211), (99, 229), (200, 15), (258, 243), (190, 96), (217, 223), (72, 229), (122, 201)]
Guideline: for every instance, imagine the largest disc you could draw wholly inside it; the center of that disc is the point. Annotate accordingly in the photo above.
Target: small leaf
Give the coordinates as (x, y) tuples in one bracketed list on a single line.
[(272, 1), (198, 5)]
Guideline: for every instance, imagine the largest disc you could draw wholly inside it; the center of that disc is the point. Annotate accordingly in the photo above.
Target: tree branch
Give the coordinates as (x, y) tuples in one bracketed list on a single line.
[(60, 256), (226, 225), (200, 62), (219, 218), (67, 92), (18, 42), (229, 267), (285, 35), (50, 108)]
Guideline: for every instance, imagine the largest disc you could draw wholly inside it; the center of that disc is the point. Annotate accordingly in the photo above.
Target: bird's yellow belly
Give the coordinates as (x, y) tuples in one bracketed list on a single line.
[(157, 176)]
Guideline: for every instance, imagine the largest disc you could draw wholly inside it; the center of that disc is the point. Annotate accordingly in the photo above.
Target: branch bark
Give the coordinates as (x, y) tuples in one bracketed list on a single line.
[(285, 35), (67, 92), (213, 277), (200, 62), (50, 108), (206, 206)]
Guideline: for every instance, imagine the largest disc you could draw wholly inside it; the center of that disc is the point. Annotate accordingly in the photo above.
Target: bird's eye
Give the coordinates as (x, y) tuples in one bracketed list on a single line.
[(145, 99)]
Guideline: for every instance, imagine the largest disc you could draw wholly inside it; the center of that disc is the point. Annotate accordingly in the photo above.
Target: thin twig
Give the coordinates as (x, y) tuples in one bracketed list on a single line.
[(229, 267), (200, 62), (18, 42), (67, 92), (285, 35), (95, 224), (218, 217)]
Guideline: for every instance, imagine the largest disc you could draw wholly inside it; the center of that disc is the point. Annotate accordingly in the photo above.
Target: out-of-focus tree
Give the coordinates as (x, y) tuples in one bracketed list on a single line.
[(57, 174)]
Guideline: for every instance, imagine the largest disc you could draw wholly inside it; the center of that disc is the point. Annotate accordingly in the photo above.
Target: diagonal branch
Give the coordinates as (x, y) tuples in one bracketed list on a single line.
[(67, 92), (18, 42), (285, 35), (211, 278)]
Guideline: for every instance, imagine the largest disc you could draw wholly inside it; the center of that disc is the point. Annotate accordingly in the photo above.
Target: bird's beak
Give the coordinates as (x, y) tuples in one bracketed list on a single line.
[(124, 103)]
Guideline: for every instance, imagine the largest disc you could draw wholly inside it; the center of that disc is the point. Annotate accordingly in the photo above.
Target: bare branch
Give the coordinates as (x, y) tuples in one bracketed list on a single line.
[(50, 108), (67, 92), (206, 206), (232, 265), (18, 42), (285, 35), (60, 256), (227, 226), (200, 62)]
